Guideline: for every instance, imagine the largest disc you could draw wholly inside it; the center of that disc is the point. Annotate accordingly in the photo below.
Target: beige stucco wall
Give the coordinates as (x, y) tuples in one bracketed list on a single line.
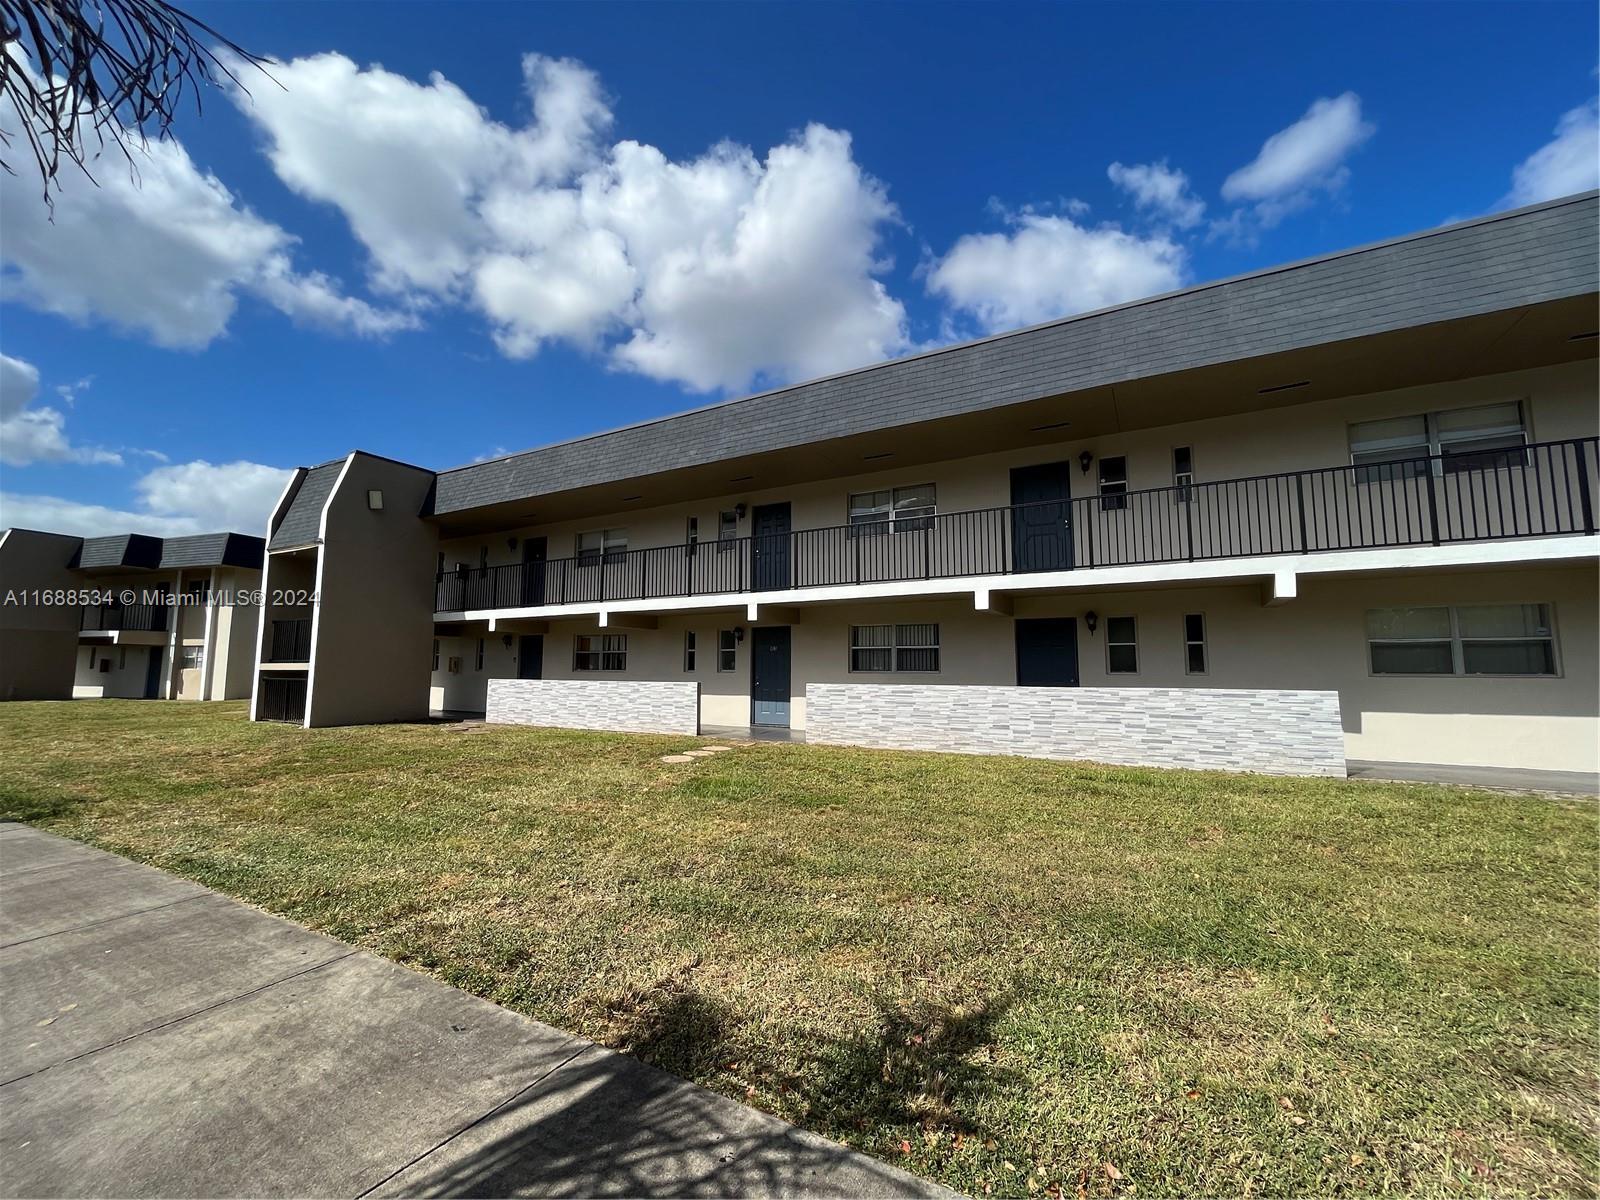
[(1561, 403), (1315, 641), (234, 618), (374, 612), (125, 679), (37, 640)]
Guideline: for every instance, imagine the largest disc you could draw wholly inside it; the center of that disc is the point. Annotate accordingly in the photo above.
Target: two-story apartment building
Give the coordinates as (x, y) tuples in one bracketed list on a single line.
[(129, 616), (1368, 477)]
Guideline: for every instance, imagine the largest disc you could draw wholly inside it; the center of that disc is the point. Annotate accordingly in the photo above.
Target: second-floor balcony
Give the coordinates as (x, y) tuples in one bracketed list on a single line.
[(1538, 490), (290, 641), (113, 618)]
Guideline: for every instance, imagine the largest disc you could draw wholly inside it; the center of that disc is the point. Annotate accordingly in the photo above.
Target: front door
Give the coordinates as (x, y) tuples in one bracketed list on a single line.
[(1041, 529), (1047, 652), (152, 675), (769, 543), (533, 552), (530, 656), (769, 675)]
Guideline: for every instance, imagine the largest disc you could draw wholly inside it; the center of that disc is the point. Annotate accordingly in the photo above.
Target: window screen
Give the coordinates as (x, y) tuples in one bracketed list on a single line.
[(910, 648), (1122, 646)]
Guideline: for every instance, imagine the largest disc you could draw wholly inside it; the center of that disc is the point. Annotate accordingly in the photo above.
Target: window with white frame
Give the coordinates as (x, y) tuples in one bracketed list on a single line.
[(1194, 644), (912, 647), (894, 510), (600, 652), (1122, 646), (727, 650), (1469, 639), (1113, 483), (1469, 439), (688, 649), (190, 658), (727, 529), (595, 545), (1182, 474), (691, 536)]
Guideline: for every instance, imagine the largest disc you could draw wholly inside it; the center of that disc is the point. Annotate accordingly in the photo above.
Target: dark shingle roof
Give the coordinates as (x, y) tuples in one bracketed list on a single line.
[(303, 521), (120, 550), (147, 552), (1529, 256), (214, 550)]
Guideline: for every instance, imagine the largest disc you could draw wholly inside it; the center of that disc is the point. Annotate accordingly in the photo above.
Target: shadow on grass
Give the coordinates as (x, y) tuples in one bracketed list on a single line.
[(928, 1065), (34, 808), (671, 1025), (607, 1124)]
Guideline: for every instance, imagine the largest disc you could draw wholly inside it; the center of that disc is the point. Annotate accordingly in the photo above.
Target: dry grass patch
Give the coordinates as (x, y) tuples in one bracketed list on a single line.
[(1016, 977)]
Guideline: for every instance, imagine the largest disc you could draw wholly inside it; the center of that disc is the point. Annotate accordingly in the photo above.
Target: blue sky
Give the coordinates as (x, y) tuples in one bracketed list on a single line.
[(456, 231)]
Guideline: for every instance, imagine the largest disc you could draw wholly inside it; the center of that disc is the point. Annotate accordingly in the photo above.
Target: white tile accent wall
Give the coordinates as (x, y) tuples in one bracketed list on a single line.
[(1271, 732), (632, 706)]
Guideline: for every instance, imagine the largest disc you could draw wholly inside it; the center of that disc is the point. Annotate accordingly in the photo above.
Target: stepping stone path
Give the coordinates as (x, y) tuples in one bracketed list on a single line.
[(691, 755)]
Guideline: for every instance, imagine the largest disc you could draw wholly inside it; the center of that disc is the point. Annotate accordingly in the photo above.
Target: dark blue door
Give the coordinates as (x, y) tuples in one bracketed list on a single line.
[(1041, 528), (533, 552), (1047, 652), (530, 656), (152, 675), (769, 543), (769, 676)]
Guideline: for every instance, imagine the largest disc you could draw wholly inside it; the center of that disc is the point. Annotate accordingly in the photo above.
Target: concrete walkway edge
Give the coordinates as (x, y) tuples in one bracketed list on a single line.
[(160, 1039)]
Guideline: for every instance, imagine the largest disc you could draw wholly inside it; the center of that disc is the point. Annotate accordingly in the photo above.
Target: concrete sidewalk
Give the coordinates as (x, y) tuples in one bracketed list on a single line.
[(158, 1039)]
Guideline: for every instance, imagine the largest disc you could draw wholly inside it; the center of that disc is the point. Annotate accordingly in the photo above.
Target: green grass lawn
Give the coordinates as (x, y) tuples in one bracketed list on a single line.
[(1012, 976)]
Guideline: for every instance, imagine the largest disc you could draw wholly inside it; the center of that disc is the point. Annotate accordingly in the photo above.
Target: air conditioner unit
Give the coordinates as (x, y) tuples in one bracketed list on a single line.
[(454, 666)]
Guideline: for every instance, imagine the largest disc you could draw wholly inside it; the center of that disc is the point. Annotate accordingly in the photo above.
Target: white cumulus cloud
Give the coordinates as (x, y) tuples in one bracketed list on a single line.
[(1294, 165), (235, 496), (160, 247), (713, 272), (19, 510), (192, 497), (1049, 266), (29, 433), (1568, 163), (1159, 191), (1308, 154)]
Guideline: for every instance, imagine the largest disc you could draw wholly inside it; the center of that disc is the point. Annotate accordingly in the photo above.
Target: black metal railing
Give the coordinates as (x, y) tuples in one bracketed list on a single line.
[(290, 641), (1530, 491), (149, 618)]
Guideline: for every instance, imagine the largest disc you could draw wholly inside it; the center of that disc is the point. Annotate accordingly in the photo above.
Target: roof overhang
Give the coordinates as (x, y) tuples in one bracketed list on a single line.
[(1545, 334)]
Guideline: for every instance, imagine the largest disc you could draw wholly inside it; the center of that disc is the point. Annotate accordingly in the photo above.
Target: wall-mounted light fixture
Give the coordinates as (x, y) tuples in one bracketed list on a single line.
[(738, 633), (1090, 620), (375, 500), (1084, 460), (511, 543), (739, 510), (507, 640)]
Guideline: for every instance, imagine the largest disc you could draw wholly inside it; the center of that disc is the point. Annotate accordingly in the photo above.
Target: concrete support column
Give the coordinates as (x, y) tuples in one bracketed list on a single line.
[(208, 652)]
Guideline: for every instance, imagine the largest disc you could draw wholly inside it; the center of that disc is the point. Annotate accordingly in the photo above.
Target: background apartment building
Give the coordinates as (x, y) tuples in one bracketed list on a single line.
[(130, 616), (1370, 475)]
